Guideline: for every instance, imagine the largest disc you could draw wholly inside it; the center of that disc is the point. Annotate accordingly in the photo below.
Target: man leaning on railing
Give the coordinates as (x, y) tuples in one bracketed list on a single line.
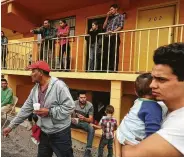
[(114, 22), (47, 45)]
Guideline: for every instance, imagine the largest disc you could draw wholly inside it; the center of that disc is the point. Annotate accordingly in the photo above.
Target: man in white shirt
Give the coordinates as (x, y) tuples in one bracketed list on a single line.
[(167, 86)]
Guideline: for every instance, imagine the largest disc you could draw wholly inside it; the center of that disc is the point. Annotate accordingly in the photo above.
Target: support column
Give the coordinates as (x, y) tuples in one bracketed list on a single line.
[(35, 52), (115, 101), (116, 96)]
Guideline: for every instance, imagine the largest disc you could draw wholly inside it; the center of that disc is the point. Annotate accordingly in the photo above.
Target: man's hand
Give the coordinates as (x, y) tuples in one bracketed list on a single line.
[(108, 13), (31, 31), (110, 32), (81, 117), (6, 131), (42, 112), (91, 30)]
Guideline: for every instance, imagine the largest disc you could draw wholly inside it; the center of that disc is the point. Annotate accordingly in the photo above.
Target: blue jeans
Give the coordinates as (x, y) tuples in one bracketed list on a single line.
[(60, 143), (90, 131), (103, 143)]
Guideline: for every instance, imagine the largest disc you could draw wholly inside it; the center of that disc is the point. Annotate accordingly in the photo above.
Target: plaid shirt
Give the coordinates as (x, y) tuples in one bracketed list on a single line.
[(114, 22), (109, 125)]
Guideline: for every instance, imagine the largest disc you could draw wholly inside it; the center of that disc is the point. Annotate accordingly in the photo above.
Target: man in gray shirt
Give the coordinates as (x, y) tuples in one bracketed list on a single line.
[(81, 119), (54, 115)]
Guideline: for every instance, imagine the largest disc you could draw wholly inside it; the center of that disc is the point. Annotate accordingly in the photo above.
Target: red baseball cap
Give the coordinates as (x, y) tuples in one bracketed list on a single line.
[(39, 65)]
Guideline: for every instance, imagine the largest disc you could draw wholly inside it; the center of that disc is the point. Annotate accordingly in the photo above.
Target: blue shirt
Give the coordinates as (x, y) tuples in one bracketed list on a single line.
[(143, 119)]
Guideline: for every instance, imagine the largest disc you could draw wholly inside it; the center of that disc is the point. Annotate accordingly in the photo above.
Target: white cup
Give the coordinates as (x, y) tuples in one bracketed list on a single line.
[(77, 120), (36, 106)]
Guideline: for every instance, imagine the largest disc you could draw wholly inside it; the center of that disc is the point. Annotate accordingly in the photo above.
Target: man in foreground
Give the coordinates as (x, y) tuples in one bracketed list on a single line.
[(167, 86), (54, 115)]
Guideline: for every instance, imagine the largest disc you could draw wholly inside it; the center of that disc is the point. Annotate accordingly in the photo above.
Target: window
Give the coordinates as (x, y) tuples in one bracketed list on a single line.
[(69, 20)]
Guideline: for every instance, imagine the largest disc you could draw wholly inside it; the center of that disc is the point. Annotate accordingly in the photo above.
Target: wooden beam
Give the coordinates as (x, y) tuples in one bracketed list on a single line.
[(24, 13)]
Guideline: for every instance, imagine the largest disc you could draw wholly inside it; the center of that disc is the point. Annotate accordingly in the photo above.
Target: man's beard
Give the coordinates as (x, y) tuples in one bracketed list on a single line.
[(82, 102)]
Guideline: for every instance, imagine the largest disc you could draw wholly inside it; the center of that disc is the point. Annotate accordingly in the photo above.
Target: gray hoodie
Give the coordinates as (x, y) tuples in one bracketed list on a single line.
[(58, 99)]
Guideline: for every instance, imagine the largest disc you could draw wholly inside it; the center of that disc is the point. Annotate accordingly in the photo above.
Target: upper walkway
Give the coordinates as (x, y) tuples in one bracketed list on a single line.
[(135, 53)]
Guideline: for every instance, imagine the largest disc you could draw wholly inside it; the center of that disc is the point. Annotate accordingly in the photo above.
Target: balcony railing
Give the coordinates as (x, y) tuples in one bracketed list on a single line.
[(128, 51)]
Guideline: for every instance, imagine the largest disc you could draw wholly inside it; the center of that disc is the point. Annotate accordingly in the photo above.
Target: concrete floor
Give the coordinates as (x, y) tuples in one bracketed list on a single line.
[(19, 144)]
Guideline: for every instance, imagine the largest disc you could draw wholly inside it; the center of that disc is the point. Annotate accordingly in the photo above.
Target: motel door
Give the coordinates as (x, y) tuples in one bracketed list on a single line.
[(158, 17)]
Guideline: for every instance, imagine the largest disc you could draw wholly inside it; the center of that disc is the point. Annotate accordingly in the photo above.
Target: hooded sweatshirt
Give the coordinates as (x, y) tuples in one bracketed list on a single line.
[(60, 103)]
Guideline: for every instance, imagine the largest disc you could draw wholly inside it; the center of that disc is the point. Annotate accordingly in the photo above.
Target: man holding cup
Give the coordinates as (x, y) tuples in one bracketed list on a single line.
[(114, 22), (81, 119), (53, 105)]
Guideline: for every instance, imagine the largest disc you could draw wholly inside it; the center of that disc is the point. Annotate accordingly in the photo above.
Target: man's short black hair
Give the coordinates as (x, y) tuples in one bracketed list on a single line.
[(4, 80), (47, 20), (2, 32), (95, 22), (114, 6), (81, 92), (142, 85), (173, 56)]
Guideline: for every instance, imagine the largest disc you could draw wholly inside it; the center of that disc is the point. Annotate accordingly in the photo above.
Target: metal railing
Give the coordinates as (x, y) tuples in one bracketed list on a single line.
[(124, 51)]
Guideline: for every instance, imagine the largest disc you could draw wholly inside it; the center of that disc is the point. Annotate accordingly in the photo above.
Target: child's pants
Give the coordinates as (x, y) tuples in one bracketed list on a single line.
[(103, 143)]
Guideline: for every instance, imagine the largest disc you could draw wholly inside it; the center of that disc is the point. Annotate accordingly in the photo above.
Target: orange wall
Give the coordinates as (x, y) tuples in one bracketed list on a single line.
[(23, 92), (91, 85), (22, 86), (181, 12)]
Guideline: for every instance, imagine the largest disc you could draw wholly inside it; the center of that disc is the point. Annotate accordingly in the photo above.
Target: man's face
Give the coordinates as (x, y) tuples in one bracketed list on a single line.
[(165, 85), (4, 85), (46, 24), (2, 34), (36, 76), (82, 99), (113, 11)]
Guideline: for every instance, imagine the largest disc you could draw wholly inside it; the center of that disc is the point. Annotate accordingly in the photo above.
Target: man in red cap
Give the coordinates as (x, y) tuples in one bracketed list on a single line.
[(54, 115)]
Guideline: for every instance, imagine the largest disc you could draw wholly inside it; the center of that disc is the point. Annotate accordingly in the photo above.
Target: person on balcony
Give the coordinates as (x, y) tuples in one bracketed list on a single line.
[(64, 49), (6, 97), (114, 22), (47, 44), (4, 49), (51, 101), (81, 119), (95, 46), (167, 86)]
